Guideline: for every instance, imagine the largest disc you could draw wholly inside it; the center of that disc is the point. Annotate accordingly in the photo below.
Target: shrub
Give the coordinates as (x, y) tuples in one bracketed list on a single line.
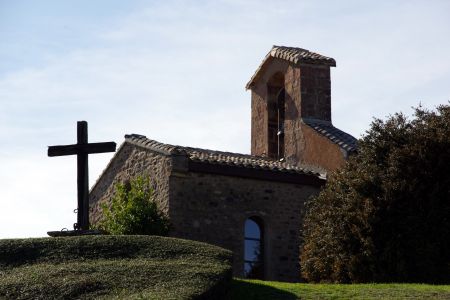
[(133, 210), (113, 267), (385, 216)]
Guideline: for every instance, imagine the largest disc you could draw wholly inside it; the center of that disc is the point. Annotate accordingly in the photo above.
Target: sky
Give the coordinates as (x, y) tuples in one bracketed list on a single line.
[(176, 71)]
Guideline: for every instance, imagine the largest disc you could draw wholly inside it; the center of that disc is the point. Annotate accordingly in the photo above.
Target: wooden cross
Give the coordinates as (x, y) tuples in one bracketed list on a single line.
[(82, 148)]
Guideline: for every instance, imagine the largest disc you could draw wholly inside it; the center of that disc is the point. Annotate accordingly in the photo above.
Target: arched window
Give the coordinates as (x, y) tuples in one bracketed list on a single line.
[(253, 249)]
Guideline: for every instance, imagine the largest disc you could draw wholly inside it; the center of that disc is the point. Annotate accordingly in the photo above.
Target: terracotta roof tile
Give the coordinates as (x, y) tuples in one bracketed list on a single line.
[(299, 55), (219, 157), (293, 55)]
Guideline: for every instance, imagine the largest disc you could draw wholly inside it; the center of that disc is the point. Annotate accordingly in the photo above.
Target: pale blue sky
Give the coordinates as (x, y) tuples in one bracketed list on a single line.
[(175, 71)]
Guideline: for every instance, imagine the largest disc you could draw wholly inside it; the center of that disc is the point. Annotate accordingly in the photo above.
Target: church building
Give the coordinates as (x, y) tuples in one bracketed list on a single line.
[(251, 204)]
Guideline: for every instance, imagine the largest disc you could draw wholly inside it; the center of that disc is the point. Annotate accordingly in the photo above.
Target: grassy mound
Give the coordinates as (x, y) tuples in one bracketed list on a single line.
[(105, 267), (256, 289)]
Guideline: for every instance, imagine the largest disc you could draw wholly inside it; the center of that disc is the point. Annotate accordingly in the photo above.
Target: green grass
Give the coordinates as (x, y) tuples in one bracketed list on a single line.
[(108, 267), (149, 267), (255, 289)]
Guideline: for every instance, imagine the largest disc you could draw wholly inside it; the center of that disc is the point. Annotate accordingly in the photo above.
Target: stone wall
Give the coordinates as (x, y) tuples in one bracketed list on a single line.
[(319, 152), (130, 161), (213, 208), (315, 88)]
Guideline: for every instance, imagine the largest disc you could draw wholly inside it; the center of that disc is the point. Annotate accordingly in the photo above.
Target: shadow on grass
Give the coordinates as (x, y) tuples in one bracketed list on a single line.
[(241, 290)]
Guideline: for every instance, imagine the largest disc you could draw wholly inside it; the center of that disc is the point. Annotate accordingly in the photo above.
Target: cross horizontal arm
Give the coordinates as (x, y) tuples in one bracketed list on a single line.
[(81, 149)]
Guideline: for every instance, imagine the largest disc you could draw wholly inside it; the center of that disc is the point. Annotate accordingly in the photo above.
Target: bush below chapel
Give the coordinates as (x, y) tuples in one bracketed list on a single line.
[(112, 267)]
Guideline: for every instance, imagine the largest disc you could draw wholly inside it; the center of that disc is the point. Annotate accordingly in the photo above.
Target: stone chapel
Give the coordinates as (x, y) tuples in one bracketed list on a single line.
[(251, 204)]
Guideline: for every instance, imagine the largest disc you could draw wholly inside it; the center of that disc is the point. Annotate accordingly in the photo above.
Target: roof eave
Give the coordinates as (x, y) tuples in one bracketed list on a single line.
[(308, 178)]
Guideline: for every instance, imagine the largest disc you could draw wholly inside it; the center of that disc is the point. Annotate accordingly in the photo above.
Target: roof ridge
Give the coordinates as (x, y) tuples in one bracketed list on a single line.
[(134, 136), (228, 152)]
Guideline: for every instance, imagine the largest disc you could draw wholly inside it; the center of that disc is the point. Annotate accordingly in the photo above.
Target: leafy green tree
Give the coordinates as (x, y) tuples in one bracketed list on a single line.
[(385, 216), (133, 210)]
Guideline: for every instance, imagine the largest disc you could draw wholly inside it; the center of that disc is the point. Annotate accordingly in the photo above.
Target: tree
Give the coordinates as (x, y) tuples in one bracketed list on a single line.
[(385, 216), (133, 210)]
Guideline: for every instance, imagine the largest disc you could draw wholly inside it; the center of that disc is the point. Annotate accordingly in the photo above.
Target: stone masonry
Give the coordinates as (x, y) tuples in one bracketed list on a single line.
[(213, 208)]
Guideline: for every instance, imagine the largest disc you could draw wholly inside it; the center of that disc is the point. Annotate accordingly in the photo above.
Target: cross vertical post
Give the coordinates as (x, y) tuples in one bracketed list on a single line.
[(82, 178)]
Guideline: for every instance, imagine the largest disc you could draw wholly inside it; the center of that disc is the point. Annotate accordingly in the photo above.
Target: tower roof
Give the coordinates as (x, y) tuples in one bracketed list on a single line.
[(292, 55)]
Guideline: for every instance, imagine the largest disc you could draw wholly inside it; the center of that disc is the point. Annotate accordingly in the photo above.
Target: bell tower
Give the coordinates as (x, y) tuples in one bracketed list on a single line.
[(291, 89)]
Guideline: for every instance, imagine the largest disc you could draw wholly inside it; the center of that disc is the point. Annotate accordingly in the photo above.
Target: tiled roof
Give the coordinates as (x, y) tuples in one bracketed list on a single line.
[(337, 136), (219, 157), (299, 55), (295, 56)]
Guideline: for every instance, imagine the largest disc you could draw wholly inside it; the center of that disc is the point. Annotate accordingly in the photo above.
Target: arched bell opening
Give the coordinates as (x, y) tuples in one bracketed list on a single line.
[(276, 115)]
